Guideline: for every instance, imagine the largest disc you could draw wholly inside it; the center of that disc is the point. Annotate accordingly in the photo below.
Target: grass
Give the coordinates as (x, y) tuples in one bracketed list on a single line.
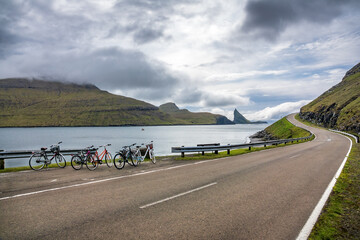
[(283, 129), (339, 106), (279, 129), (37, 103), (340, 217), (224, 154)]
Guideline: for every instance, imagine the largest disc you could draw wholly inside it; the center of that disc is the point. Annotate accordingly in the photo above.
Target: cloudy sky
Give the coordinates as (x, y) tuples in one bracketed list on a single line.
[(266, 58)]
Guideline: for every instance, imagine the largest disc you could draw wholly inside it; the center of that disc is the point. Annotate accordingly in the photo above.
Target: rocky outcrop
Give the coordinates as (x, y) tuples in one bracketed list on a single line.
[(240, 119), (221, 120), (262, 135), (339, 107), (353, 71)]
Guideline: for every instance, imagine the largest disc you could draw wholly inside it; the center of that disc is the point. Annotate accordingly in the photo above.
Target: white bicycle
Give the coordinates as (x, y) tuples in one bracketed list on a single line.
[(138, 158)]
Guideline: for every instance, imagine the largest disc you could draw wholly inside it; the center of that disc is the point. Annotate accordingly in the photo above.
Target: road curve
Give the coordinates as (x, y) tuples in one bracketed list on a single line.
[(263, 195)]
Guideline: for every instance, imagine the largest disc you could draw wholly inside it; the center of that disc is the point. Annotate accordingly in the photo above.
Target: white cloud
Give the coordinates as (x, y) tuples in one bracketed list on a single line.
[(273, 113), (187, 52)]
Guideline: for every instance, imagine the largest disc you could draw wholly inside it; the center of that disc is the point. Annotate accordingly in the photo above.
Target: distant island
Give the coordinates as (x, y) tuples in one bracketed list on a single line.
[(240, 119), (40, 103)]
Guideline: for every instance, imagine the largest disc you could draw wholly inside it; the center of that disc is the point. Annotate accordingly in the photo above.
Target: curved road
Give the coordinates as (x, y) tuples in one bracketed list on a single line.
[(263, 195)]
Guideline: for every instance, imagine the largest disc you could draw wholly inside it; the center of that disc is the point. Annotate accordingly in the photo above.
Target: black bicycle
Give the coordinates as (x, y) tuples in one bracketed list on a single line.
[(88, 157), (39, 159), (126, 154)]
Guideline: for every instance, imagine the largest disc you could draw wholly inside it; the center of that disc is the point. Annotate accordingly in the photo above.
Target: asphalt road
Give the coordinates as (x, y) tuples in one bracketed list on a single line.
[(262, 195)]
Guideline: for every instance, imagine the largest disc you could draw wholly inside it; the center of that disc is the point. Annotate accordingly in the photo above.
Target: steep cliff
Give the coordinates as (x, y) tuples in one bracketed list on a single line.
[(339, 107)]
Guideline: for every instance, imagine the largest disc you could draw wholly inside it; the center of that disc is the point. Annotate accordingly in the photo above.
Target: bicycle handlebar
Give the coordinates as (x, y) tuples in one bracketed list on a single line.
[(109, 144)]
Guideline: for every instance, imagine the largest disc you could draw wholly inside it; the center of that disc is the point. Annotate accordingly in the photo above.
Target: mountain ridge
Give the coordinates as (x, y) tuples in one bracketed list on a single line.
[(36, 103), (184, 114), (339, 107)]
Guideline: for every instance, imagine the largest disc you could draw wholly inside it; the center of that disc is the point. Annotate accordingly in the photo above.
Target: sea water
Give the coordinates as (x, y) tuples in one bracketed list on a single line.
[(164, 137)]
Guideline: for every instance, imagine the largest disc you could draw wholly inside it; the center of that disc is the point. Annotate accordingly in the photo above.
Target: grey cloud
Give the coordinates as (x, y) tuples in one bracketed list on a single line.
[(196, 96), (156, 5), (110, 68), (146, 20), (9, 14), (189, 95), (29, 26), (145, 35), (267, 19)]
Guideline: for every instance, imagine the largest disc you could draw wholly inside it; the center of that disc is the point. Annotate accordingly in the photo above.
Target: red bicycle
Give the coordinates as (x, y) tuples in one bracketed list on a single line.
[(105, 156)]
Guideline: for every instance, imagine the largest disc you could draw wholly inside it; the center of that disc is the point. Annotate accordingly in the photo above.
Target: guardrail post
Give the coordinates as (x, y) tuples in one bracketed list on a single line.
[(2, 162), (264, 145), (216, 151), (182, 153), (228, 151), (250, 148)]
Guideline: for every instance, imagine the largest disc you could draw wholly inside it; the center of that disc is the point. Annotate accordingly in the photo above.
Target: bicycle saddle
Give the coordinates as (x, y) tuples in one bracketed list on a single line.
[(43, 148)]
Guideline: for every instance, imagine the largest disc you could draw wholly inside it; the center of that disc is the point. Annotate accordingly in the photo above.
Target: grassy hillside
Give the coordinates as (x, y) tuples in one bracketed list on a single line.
[(339, 107), (283, 129), (185, 115), (27, 103)]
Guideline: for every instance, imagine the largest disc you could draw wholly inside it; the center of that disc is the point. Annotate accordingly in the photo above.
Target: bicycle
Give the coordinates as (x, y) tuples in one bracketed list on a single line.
[(87, 157), (138, 158), (123, 156), (105, 155), (39, 159)]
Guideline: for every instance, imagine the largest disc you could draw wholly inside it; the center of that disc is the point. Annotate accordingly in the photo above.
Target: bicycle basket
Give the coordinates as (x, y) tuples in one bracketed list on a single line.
[(55, 149)]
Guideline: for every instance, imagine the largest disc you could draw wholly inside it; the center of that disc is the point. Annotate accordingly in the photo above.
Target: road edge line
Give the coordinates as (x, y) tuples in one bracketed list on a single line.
[(177, 195), (306, 230)]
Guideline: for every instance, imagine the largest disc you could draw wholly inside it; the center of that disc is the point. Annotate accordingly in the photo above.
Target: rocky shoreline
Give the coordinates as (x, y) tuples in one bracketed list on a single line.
[(260, 136)]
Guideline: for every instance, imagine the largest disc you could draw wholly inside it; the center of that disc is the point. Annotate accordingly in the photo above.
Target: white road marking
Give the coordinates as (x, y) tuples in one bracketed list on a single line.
[(294, 156), (93, 182), (55, 180), (120, 177), (306, 230), (178, 195)]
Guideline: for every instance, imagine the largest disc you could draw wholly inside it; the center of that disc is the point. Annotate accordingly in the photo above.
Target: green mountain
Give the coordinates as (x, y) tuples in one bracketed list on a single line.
[(194, 118), (30, 103), (339, 107), (240, 119)]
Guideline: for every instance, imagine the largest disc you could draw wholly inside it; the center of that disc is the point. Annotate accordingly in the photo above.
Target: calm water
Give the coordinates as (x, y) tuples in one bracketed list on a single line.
[(164, 137)]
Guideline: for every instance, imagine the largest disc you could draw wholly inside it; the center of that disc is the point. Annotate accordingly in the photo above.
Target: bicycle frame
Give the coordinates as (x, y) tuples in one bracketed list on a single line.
[(149, 149), (39, 159), (101, 156)]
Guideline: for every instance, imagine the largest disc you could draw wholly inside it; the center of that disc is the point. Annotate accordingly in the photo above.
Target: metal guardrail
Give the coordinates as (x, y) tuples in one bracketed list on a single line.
[(27, 153), (348, 134), (229, 147)]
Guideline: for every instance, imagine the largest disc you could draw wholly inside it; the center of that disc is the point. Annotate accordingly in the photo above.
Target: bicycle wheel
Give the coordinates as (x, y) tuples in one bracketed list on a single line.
[(37, 161), (92, 161), (60, 160), (135, 158), (76, 162), (119, 161), (152, 156), (108, 159)]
